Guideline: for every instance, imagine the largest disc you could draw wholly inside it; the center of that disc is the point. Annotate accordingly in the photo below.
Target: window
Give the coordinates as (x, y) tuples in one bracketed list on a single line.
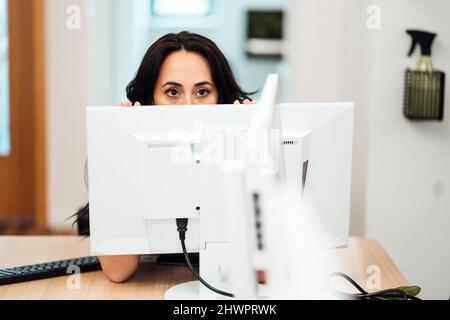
[(4, 81), (181, 8)]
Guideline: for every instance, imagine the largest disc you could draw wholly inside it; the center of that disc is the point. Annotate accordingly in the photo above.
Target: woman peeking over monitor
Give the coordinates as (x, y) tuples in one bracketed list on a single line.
[(178, 69)]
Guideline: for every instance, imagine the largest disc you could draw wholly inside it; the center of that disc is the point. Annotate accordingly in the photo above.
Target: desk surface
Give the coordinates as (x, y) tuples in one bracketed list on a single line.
[(151, 281)]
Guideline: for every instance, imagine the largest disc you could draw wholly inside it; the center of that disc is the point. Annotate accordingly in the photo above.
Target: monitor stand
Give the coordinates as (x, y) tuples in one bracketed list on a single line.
[(191, 291)]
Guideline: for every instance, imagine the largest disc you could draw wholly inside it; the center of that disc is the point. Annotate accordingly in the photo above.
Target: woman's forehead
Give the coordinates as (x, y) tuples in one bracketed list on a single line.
[(183, 67)]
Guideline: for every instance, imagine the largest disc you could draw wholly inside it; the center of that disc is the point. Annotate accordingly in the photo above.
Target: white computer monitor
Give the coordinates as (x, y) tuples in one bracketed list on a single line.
[(150, 165), (134, 188)]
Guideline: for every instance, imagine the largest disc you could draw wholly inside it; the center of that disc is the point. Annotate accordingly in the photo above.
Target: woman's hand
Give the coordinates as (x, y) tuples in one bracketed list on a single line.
[(119, 268), (246, 101), (128, 104)]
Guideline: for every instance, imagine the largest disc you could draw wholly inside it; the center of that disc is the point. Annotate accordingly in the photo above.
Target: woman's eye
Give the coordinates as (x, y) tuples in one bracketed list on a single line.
[(172, 93), (203, 92)]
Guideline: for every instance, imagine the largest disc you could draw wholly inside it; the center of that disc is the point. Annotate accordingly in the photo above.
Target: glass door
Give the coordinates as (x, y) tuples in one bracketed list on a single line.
[(4, 81)]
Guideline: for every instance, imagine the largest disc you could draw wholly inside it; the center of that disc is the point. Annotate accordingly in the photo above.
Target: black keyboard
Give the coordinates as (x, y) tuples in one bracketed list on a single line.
[(48, 270)]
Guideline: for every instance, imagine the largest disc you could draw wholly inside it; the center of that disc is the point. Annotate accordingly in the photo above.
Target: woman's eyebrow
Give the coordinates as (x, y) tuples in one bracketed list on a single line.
[(176, 84), (204, 83)]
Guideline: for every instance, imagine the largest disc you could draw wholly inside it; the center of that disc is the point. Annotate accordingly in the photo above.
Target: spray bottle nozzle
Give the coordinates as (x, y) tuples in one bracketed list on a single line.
[(424, 39)]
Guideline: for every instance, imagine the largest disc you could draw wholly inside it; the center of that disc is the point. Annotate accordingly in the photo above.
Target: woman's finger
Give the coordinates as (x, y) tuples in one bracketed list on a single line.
[(237, 102), (128, 104), (247, 101)]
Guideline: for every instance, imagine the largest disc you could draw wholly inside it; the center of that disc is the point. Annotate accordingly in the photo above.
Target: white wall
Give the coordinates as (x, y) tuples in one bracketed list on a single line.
[(401, 168), (325, 65), (408, 199), (66, 98), (79, 73)]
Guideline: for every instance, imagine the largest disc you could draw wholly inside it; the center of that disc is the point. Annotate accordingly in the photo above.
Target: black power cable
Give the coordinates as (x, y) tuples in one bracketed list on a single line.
[(363, 295), (182, 228)]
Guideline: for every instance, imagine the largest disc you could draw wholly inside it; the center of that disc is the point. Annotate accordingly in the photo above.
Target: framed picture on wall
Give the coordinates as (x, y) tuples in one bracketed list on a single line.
[(265, 33)]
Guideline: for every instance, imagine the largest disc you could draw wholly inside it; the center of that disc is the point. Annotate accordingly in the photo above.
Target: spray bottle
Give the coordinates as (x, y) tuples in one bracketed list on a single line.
[(424, 86)]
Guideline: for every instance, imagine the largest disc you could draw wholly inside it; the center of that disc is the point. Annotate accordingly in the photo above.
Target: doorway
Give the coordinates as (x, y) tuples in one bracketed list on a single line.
[(22, 166)]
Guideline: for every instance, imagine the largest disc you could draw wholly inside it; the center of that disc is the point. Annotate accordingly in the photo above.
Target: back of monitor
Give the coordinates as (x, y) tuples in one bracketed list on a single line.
[(137, 191)]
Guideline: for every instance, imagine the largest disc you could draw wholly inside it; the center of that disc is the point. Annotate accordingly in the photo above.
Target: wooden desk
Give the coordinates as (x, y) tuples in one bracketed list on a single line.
[(151, 281)]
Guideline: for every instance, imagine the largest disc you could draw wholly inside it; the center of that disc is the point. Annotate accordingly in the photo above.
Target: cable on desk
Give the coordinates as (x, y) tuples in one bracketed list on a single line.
[(364, 295)]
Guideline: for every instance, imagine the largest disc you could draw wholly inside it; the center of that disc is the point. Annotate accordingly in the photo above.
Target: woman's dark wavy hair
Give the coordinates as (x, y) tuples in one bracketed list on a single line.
[(142, 87)]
